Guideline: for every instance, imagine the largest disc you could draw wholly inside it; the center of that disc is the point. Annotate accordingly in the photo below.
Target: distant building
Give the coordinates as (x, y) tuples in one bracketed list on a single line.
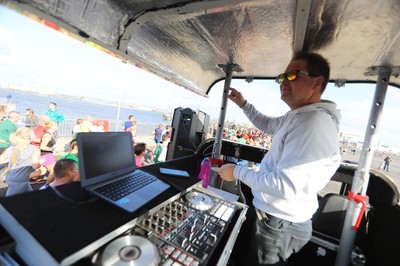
[(349, 140)]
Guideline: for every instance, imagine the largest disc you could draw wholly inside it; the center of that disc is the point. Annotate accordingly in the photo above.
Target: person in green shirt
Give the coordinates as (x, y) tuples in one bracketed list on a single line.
[(71, 154), (7, 127)]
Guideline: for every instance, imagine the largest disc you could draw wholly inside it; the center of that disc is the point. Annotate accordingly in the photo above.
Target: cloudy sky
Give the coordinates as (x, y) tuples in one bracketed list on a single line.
[(33, 55)]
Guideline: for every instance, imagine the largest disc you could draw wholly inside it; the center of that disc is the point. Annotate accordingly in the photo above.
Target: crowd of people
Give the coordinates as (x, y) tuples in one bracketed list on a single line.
[(26, 153), (39, 136)]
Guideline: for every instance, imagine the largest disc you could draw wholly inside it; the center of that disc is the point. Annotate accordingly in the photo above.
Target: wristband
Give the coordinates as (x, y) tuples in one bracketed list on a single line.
[(245, 101)]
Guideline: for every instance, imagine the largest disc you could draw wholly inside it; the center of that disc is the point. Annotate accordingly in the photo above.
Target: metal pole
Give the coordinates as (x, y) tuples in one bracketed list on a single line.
[(218, 137), (361, 176)]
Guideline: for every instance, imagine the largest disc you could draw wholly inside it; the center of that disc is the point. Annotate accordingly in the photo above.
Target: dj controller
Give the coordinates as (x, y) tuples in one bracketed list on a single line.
[(196, 229)]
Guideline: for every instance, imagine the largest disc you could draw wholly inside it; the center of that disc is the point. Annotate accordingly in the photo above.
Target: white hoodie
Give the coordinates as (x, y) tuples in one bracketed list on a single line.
[(303, 157)]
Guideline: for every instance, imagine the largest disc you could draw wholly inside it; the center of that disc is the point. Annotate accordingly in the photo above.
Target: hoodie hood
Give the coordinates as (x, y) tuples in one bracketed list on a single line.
[(325, 105)]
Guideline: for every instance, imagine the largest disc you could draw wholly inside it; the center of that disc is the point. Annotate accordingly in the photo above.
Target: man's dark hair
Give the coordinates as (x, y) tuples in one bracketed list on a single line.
[(62, 167), (139, 148), (53, 103), (316, 65)]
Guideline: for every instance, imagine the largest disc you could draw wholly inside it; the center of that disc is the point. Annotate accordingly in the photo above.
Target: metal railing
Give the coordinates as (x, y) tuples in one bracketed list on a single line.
[(65, 128)]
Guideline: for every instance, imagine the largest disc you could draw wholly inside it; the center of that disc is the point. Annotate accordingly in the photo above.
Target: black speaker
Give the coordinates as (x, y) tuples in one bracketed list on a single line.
[(189, 129)]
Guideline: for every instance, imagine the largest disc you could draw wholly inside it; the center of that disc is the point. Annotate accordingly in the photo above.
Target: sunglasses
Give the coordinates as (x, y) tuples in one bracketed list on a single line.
[(291, 75)]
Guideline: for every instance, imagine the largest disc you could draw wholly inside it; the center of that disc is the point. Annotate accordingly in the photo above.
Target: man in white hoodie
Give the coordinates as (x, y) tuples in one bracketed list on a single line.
[(304, 155)]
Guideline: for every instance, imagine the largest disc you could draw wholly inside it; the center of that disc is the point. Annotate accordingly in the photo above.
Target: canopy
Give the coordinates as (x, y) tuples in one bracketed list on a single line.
[(187, 41)]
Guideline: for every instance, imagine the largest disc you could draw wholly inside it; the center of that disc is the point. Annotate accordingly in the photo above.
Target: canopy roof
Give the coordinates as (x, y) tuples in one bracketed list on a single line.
[(187, 41)]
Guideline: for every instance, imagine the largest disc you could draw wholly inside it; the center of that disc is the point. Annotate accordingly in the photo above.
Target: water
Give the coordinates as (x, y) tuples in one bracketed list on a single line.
[(73, 109)]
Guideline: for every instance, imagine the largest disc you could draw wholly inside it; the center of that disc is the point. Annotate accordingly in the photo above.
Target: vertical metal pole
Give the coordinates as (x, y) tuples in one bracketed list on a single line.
[(218, 137), (361, 176)]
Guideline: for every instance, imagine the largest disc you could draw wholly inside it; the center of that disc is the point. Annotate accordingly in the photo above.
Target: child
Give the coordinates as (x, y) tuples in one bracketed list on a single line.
[(139, 149), (160, 152), (132, 129)]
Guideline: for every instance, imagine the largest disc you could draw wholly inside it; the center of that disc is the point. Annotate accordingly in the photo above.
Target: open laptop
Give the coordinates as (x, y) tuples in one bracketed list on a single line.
[(107, 168)]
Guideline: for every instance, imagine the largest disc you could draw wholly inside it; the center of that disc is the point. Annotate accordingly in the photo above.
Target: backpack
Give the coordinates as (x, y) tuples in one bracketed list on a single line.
[(157, 153)]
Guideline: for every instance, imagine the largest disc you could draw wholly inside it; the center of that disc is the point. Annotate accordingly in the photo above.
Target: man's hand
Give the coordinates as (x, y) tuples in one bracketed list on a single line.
[(236, 97), (225, 171)]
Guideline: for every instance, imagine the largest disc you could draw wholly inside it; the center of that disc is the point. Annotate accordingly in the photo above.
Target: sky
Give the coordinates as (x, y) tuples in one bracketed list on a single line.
[(35, 56)]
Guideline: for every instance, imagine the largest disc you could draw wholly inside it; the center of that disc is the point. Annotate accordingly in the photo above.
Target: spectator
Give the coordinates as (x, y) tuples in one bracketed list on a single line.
[(48, 139), (23, 159), (31, 119), (54, 115), (2, 112), (160, 152), (40, 129), (140, 149), (65, 171), (167, 131), (157, 133), (7, 127), (387, 161), (132, 129), (87, 125), (72, 154), (127, 124), (78, 126), (47, 144)]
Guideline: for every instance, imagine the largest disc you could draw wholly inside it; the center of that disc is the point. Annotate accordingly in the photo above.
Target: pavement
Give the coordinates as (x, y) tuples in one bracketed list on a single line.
[(377, 159)]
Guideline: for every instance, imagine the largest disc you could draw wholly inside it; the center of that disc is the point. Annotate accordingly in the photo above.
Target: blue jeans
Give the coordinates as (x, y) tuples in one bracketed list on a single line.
[(272, 240)]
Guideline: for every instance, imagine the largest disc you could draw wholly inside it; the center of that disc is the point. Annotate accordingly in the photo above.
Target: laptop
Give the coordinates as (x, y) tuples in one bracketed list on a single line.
[(108, 170)]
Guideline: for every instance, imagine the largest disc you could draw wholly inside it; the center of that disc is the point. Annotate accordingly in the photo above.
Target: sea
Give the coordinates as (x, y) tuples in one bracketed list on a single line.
[(73, 109)]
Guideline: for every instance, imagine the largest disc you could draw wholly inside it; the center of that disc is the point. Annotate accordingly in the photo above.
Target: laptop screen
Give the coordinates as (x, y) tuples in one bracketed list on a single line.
[(104, 156)]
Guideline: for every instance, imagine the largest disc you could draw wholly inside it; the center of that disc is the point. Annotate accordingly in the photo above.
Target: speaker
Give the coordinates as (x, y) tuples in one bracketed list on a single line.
[(189, 129)]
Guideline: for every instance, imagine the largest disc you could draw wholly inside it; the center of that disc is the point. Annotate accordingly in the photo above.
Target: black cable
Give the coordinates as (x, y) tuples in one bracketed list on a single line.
[(59, 194)]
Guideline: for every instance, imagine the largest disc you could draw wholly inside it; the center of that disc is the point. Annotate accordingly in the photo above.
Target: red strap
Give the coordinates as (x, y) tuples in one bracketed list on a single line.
[(359, 199)]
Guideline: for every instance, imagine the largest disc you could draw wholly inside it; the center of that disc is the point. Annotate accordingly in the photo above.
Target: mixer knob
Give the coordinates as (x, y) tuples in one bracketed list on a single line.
[(147, 222), (162, 221), (180, 215), (168, 223), (154, 225), (160, 229)]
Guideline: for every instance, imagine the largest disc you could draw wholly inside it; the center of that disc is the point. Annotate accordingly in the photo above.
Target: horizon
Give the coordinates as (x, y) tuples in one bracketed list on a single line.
[(67, 66)]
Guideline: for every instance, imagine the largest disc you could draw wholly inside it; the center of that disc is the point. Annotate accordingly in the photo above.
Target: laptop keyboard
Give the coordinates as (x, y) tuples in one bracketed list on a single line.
[(126, 185)]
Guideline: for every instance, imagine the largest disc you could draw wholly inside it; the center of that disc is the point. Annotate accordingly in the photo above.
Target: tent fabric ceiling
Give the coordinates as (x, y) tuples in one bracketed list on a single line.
[(185, 41)]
